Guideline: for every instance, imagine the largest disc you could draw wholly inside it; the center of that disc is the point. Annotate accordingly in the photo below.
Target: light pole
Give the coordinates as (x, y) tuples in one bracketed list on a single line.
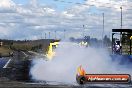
[(41, 35), (55, 34), (49, 35), (103, 31), (64, 33), (45, 35), (83, 31), (121, 28), (121, 17)]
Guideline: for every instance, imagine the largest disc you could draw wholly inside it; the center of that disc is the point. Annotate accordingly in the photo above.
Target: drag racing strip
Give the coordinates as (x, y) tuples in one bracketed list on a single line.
[(52, 84), (13, 84), (106, 86)]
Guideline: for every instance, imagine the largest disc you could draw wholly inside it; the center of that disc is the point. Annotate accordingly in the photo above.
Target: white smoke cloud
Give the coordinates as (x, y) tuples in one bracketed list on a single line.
[(69, 56)]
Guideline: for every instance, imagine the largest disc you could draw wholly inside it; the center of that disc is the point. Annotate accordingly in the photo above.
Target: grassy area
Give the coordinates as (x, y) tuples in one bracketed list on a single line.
[(40, 46), (5, 51), (21, 46)]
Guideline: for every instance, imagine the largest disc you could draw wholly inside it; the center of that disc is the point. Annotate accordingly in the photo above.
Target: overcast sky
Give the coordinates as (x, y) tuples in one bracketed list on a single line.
[(31, 19)]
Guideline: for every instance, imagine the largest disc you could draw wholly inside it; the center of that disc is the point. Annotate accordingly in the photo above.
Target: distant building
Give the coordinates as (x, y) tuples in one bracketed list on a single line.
[(1, 44)]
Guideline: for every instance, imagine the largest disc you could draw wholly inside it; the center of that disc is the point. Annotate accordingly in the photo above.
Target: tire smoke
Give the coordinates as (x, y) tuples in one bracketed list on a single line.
[(63, 67)]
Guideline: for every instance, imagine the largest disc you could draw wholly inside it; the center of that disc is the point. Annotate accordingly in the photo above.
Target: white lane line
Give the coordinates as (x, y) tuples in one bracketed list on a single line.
[(7, 63)]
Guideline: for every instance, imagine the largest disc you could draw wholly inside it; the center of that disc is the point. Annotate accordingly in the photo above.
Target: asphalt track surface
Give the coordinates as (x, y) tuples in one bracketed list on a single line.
[(15, 84)]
